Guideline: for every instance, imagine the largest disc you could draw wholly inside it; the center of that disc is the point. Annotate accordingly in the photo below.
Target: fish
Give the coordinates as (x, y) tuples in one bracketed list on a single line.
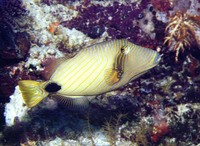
[(94, 70)]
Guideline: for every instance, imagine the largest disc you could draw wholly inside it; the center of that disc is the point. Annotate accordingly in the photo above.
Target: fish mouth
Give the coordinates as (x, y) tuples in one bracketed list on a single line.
[(157, 58)]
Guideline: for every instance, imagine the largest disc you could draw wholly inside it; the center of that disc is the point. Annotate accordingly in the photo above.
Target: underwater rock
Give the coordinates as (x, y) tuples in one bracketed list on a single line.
[(7, 42), (13, 46), (12, 9), (9, 77)]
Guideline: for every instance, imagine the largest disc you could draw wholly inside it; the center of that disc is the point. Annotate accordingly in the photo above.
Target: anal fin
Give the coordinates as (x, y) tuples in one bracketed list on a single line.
[(73, 102)]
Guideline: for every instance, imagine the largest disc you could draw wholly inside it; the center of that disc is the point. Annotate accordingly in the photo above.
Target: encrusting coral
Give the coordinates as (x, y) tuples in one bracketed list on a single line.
[(181, 31)]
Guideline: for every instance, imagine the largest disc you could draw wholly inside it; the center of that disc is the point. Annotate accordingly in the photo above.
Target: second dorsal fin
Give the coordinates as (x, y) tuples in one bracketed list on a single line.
[(51, 65)]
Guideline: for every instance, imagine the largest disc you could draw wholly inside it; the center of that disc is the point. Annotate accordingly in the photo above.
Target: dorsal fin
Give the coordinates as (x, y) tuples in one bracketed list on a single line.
[(74, 102), (51, 65)]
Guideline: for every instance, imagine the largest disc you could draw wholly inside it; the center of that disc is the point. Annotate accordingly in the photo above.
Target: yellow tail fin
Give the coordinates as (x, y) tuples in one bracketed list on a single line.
[(32, 92)]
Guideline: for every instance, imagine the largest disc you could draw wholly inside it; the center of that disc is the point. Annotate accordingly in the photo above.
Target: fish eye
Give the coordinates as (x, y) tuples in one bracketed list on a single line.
[(122, 49)]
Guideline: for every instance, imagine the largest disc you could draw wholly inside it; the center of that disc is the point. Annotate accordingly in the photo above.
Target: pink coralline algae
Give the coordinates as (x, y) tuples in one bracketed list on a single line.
[(162, 5), (159, 130), (160, 125)]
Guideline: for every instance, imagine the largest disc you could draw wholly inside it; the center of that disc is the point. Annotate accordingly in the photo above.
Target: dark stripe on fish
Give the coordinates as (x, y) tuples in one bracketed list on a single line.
[(119, 63), (115, 74)]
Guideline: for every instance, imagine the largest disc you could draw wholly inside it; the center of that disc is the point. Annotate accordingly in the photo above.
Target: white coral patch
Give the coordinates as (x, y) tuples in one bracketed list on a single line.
[(45, 43), (59, 142), (15, 109), (75, 37), (147, 25), (162, 16), (182, 109)]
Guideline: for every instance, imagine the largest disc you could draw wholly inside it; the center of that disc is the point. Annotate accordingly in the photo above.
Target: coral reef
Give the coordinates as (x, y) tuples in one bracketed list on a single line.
[(131, 20), (161, 107)]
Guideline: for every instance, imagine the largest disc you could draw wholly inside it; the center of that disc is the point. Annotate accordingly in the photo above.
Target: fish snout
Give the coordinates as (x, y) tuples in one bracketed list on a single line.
[(157, 58)]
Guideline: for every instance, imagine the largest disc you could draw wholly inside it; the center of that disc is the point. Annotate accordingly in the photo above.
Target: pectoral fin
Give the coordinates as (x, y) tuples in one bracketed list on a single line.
[(111, 77)]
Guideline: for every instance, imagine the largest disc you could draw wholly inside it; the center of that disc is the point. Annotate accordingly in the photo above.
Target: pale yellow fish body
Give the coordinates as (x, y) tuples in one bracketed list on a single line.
[(94, 70), (87, 72)]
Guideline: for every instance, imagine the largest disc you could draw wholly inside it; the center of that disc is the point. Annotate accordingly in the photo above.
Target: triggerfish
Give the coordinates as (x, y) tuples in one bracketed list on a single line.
[(94, 70)]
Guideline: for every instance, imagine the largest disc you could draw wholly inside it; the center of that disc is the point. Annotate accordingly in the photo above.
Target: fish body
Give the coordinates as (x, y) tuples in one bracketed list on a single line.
[(94, 70)]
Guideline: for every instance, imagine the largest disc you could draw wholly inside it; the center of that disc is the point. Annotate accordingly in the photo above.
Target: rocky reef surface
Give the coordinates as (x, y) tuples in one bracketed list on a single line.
[(162, 107)]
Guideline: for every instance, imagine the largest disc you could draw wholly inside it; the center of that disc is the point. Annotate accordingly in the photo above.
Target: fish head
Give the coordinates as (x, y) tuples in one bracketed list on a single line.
[(139, 60)]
